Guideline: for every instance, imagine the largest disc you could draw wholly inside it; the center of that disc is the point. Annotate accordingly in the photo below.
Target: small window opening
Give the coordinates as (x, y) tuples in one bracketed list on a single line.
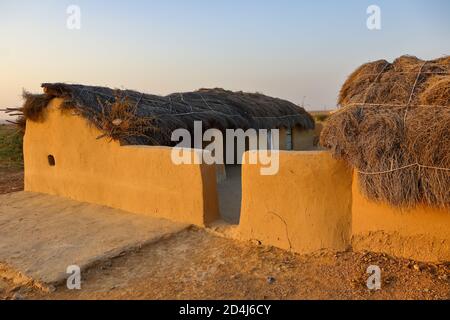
[(51, 160)]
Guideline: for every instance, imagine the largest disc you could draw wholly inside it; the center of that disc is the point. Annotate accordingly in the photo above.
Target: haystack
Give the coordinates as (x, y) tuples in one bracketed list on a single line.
[(136, 118), (394, 128)]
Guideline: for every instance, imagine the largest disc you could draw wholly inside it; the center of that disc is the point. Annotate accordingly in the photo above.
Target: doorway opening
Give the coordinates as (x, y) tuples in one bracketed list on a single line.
[(230, 194)]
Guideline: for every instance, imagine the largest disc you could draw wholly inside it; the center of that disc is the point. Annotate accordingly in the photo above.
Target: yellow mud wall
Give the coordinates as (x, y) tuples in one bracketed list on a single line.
[(137, 179), (422, 233), (305, 207), (302, 139)]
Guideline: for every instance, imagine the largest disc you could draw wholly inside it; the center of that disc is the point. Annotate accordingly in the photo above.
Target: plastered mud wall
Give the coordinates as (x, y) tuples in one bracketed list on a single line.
[(64, 157), (304, 208), (421, 233)]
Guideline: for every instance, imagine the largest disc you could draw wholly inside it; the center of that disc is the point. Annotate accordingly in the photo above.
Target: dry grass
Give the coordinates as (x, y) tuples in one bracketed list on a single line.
[(119, 120), (320, 116), (11, 156), (399, 146), (143, 119)]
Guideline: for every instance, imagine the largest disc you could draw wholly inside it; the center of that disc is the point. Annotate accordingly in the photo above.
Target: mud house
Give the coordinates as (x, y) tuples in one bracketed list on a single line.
[(383, 184), (113, 147)]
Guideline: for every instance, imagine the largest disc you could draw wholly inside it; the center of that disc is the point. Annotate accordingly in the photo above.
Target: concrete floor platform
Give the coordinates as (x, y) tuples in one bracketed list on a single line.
[(41, 235)]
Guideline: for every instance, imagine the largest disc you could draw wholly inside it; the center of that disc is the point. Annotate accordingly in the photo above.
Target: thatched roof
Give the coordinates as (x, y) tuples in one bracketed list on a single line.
[(137, 118), (394, 128)]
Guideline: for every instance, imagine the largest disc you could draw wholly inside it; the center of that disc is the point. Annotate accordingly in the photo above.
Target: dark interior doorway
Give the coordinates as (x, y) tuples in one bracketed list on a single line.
[(230, 194)]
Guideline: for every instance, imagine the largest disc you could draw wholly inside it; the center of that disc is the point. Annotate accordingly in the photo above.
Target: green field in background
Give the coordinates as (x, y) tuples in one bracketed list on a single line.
[(11, 155)]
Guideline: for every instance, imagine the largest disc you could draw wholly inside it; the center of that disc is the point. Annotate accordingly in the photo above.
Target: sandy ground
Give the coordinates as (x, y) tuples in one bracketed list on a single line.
[(196, 264), (11, 180)]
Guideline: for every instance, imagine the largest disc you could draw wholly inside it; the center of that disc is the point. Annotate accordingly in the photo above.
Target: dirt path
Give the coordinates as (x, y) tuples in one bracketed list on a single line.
[(11, 180), (197, 265)]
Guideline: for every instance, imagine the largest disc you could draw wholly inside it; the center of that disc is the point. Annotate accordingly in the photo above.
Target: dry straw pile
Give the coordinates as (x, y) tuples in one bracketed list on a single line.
[(143, 119), (394, 128)]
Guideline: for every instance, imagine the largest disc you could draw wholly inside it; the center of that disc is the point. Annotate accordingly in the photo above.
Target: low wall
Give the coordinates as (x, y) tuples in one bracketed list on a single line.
[(422, 233), (134, 178), (305, 207)]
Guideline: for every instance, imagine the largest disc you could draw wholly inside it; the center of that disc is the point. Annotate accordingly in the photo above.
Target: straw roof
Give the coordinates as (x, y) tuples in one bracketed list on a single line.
[(144, 119), (394, 128)]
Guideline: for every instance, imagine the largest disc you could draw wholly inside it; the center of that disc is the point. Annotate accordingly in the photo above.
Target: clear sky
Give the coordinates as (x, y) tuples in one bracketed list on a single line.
[(297, 50)]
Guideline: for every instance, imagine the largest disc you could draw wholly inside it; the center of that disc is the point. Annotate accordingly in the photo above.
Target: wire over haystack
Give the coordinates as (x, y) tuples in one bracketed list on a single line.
[(394, 128)]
